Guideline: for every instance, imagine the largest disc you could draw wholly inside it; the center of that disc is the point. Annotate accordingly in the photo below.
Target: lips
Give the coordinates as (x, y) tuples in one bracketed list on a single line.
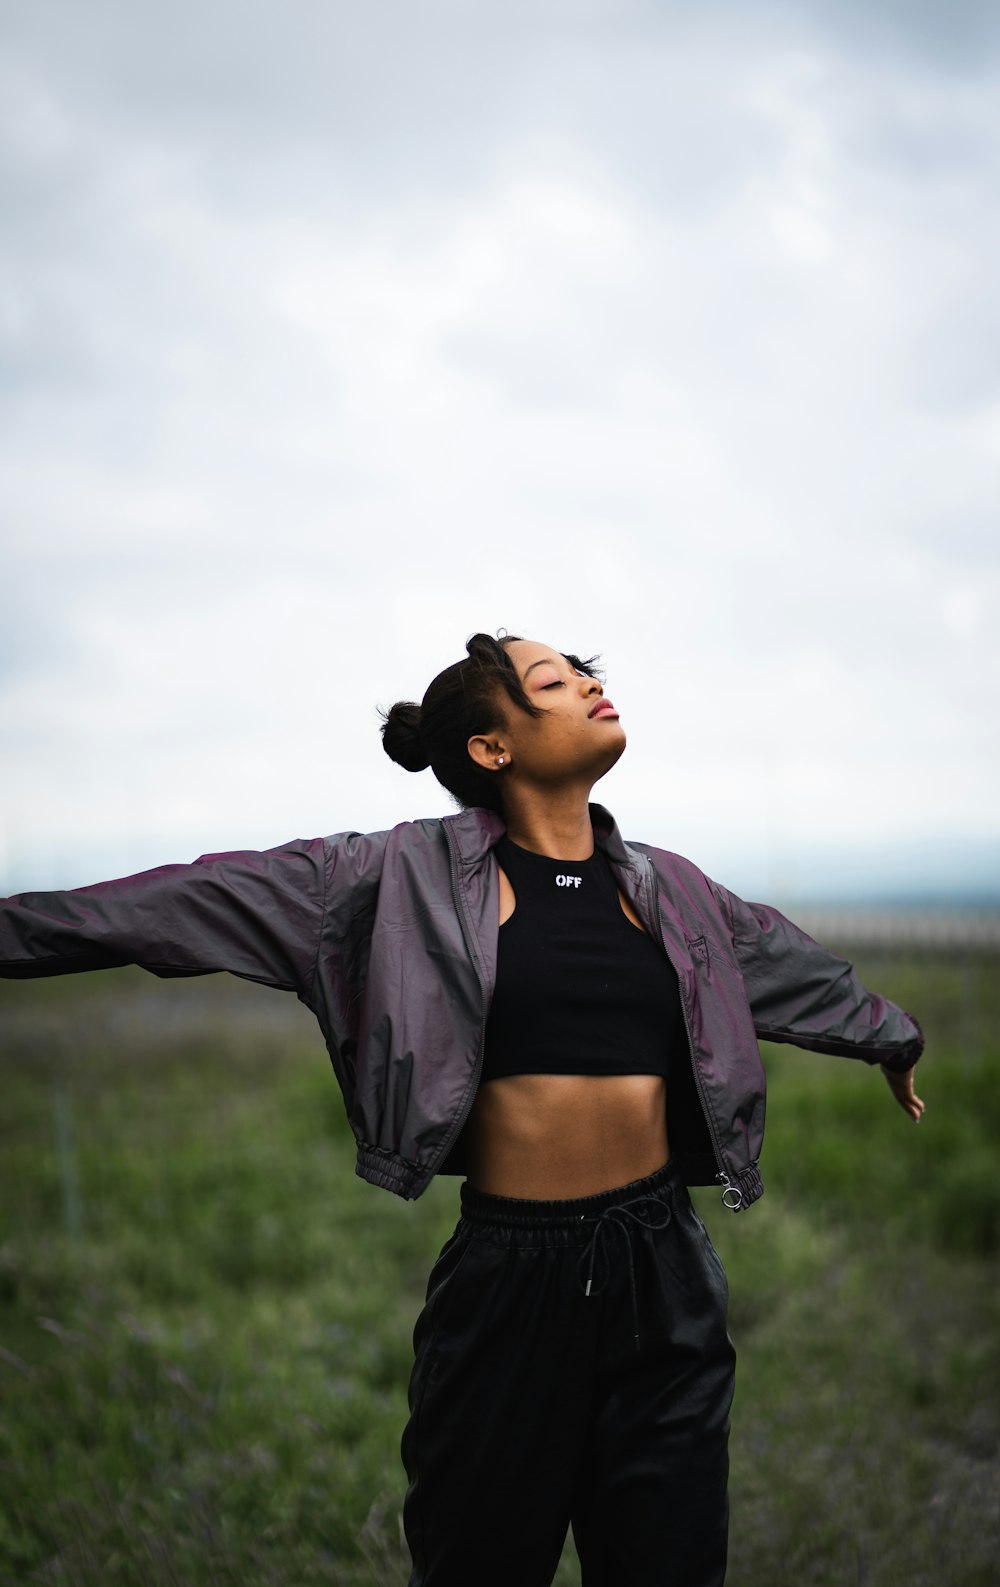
[(603, 707)]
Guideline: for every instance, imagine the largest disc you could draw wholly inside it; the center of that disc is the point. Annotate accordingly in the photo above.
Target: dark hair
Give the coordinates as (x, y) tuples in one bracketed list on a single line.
[(462, 701)]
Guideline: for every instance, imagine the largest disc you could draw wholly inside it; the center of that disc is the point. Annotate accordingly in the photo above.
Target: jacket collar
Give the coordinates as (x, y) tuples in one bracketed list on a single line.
[(474, 832)]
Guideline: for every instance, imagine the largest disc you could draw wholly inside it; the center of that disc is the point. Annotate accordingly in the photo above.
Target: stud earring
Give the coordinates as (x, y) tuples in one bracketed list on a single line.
[(500, 760)]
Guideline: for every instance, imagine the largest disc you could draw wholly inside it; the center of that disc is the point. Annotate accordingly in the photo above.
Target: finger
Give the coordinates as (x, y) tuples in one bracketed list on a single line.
[(901, 1086)]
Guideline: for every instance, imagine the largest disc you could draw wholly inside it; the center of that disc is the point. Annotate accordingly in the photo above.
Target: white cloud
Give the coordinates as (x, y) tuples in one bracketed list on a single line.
[(679, 363)]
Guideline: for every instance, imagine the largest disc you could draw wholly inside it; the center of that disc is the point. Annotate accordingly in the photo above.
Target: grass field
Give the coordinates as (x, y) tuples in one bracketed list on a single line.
[(205, 1316)]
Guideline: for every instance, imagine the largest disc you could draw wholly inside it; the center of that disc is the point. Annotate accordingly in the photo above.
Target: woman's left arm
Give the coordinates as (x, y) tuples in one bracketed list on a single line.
[(801, 992)]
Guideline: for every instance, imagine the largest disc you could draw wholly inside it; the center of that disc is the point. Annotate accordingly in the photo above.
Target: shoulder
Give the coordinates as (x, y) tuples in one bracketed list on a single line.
[(366, 850), (469, 834), (677, 874), (667, 858), (671, 866), (685, 883)]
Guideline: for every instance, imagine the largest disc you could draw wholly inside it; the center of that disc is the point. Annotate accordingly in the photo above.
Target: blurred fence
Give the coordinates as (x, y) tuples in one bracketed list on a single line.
[(862, 927)]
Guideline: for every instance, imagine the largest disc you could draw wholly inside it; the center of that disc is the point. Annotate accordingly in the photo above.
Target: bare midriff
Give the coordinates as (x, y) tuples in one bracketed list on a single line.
[(552, 1137)]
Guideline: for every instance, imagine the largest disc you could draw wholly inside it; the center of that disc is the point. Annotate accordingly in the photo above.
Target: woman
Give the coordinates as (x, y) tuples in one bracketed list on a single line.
[(515, 994)]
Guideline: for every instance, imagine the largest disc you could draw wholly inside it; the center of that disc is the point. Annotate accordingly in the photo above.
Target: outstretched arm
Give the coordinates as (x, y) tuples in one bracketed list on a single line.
[(801, 992), (256, 914)]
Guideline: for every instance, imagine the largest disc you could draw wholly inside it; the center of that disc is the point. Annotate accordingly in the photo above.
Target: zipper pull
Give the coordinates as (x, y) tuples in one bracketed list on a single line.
[(731, 1190)]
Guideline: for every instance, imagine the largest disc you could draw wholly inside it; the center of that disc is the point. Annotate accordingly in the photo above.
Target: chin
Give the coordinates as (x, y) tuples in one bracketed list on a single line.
[(612, 755)]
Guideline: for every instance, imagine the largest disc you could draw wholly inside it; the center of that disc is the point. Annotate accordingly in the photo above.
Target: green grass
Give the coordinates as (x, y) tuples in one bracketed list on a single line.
[(205, 1316)]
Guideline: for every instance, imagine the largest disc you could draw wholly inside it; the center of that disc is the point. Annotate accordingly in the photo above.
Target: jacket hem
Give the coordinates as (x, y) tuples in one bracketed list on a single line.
[(700, 1168), (750, 1186)]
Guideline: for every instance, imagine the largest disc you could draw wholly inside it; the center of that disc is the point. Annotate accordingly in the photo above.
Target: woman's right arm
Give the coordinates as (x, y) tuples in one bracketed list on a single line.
[(255, 914)]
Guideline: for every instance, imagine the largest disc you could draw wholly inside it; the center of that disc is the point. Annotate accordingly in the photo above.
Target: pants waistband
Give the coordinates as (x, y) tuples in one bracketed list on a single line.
[(564, 1217)]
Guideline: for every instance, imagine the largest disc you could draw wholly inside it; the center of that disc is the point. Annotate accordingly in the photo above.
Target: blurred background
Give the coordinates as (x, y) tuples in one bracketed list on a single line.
[(330, 334)]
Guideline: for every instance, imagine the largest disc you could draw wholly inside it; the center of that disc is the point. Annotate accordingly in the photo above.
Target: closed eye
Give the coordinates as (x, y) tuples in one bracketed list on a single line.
[(559, 684)]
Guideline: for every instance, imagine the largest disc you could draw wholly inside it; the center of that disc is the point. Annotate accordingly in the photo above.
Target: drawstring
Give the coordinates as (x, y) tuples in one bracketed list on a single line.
[(656, 1216)]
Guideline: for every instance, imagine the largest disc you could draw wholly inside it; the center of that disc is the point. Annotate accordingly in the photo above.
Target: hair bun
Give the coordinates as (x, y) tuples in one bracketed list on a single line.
[(401, 736)]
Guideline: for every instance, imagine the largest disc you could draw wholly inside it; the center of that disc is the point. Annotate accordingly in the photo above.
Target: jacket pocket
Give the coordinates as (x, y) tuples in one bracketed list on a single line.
[(698, 949)]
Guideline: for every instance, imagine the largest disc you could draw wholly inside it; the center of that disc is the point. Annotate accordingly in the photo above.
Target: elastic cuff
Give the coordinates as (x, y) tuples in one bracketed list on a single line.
[(389, 1171), (900, 1063)]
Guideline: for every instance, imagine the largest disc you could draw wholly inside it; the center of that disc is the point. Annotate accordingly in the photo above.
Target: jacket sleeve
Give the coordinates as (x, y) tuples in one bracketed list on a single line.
[(255, 914), (801, 992)]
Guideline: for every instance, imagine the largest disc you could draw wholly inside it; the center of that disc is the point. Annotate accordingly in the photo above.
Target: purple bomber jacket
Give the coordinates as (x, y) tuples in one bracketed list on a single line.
[(390, 938)]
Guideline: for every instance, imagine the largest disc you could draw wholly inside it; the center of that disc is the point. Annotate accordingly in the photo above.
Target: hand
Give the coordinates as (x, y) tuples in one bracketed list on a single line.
[(901, 1087)]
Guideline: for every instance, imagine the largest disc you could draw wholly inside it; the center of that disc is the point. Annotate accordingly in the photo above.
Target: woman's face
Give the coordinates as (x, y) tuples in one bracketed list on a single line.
[(578, 736)]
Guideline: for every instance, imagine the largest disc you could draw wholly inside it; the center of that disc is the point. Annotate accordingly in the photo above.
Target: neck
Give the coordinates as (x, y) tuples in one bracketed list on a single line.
[(556, 824)]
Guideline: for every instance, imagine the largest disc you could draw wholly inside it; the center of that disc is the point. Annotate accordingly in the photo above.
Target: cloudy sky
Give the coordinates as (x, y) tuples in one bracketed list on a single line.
[(332, 332)]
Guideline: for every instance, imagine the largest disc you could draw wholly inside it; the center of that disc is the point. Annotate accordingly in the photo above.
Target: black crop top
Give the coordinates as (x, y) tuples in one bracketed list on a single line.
[(580, 990)]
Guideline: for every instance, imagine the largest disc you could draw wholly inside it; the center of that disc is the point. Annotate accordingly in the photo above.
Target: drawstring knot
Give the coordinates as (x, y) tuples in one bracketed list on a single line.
[(644, 1212)]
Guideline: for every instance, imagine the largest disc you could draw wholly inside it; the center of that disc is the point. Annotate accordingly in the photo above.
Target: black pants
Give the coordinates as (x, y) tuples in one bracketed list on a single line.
[(535, 1405)]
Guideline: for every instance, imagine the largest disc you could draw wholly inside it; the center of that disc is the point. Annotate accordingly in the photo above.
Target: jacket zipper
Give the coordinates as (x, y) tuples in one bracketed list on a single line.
[(470, 942), (729, 1189)]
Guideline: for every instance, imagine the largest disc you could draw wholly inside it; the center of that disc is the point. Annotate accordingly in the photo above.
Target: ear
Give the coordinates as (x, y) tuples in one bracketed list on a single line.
[(489, 751)]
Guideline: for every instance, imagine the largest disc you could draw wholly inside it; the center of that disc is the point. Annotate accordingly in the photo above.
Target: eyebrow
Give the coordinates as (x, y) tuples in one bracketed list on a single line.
[(546, 661)]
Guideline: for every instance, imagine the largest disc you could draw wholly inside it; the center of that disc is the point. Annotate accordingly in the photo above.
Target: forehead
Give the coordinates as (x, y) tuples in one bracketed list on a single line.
[(525, 652)]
